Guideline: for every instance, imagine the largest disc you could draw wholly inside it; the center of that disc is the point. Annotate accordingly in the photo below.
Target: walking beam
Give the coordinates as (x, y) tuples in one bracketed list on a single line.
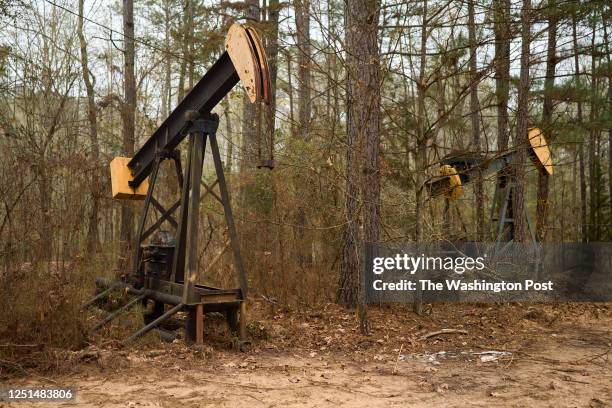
[(243, 61)]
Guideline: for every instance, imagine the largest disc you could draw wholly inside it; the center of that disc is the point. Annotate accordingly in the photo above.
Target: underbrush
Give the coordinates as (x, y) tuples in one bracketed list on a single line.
[(41, 312)]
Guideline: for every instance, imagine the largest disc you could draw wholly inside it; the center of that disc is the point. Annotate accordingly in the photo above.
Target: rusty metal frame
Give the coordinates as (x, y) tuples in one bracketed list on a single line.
[(182, 291), (192, 119)]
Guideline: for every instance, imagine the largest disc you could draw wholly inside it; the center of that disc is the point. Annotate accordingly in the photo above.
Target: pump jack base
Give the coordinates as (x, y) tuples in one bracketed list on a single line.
[(210, 299)]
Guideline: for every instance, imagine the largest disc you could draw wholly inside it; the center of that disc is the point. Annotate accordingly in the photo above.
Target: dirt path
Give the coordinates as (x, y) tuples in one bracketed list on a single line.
[(565, 364), (294, 381)]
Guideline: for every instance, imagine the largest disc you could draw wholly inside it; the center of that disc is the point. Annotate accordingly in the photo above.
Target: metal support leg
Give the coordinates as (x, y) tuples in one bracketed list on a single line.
[(243, 321), (178, 263), (191, 244), (176, 156), (229, 218), (199, 324)]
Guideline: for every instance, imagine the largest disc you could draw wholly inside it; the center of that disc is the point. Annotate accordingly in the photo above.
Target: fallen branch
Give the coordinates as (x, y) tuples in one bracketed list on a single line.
[(443, 331), (398, 358), (8, 364), (570, 379), (21, 345)]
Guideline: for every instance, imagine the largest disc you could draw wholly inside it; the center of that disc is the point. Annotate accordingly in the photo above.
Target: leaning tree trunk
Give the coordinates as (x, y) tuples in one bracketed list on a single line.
[(302, 27)]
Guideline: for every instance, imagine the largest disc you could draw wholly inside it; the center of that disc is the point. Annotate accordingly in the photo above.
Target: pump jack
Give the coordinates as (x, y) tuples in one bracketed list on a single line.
[(164, 274), (459, 169)]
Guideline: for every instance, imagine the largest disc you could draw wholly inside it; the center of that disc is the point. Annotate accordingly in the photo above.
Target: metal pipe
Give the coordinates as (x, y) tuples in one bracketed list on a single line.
[(117, 312), (101, 295), (166, 335), (162, 297), (154, 323), (148, 293)]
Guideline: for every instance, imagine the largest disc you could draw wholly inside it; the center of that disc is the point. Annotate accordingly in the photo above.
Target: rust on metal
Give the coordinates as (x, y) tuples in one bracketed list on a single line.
[(249, 58), (263, 64)]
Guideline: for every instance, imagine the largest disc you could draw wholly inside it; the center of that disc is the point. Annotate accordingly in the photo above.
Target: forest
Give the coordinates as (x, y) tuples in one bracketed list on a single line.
[(368, 98)]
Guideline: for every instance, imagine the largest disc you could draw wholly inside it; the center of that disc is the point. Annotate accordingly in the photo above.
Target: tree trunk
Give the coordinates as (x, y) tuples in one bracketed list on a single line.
[(44, 182), (594, 208), (502, 20), (369, 117), (272, 53), (185, 49), (363, 138), (421, 147), (92, 119), (302, 26), (547, 122), (250, 118), (190, 45), (290, 93), (302, 23), (421, 132), (583, 199), (609, 95), (475, 119), (167, 85), (128, 113), (502, 71), (348, 284), (522, 123)]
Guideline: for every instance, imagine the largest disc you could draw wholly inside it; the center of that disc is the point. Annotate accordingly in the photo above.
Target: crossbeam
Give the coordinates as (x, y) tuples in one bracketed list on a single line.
[(209, 190)]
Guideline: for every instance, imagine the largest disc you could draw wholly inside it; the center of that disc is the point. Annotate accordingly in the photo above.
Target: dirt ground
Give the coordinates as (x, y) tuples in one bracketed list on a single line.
[(495, 355)]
